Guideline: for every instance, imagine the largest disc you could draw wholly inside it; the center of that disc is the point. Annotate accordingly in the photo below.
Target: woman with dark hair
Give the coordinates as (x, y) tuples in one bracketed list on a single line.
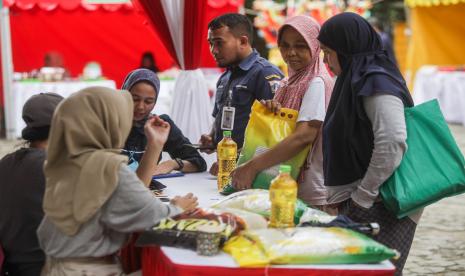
[(144, 87), (22, 189), (148, 62), (364, 132), (307, 90)]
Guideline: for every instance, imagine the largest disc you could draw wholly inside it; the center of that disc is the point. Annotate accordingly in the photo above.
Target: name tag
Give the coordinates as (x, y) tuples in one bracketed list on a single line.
[(227, 120)]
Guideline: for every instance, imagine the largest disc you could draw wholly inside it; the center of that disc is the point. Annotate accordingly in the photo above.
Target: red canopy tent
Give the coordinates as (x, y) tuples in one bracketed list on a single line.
[(115, 35)]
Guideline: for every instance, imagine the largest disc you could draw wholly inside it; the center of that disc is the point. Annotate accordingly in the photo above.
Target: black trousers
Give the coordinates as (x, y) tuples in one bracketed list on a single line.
[(22, 269)]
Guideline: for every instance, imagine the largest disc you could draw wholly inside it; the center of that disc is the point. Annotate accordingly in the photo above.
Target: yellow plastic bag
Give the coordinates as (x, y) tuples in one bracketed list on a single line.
[(246, 252), (264, 131)]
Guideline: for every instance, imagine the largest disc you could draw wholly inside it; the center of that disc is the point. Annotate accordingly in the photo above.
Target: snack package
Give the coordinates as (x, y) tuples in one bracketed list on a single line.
[(256, 201), (181, 230), (306, 245), (265, 130)]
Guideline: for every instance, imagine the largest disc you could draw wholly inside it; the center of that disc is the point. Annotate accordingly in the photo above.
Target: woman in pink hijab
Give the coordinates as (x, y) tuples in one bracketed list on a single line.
[(307, 90)]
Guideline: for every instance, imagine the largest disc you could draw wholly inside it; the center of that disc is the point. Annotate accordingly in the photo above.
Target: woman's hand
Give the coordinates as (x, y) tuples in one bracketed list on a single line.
[(272, 105), (243, 176), (166, 167), (187, 202), (156, 130)]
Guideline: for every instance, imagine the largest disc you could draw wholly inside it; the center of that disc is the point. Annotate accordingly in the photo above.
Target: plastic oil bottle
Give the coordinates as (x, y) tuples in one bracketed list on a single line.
[(283, 196), (227, 156)]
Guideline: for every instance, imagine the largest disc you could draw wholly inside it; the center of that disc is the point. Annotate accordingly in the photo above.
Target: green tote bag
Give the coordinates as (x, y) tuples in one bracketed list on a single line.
[(432, 168)]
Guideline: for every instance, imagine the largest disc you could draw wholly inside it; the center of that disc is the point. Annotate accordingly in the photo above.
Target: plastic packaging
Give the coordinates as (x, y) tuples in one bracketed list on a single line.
[(257, 201), (182, 230), (307, 245), (264, 130)]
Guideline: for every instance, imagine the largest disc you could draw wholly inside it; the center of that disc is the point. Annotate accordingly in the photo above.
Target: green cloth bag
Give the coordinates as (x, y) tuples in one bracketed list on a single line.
[(431, 169)]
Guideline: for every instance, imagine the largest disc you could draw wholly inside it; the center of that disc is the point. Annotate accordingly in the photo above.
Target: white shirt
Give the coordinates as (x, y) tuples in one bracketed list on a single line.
[(312, 190), (313, 103)]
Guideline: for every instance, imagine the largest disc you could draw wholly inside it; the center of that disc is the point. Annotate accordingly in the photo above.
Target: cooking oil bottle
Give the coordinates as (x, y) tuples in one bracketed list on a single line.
[(283, 196), (227, 156)]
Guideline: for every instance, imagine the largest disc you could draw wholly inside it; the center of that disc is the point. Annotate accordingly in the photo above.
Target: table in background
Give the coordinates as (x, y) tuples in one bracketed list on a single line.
[(23, 90), (174, 261), (446, 86)]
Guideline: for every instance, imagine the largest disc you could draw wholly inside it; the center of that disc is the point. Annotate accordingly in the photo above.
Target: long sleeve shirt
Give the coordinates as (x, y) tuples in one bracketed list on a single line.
[(131, 207), (386, 114), (176, 145)]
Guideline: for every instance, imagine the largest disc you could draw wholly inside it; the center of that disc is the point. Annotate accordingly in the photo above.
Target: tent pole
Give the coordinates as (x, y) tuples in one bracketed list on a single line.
[(7, 69)]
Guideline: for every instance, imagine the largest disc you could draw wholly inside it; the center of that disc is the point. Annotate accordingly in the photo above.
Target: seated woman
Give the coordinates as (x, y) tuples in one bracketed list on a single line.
[(307, 89), (144, 86), (92, 199), (364, 130), (22, 190), (148, 62)]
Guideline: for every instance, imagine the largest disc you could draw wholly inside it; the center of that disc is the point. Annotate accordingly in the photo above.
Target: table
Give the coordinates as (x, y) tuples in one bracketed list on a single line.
[(174, 261), (448, 87), (23, 90)]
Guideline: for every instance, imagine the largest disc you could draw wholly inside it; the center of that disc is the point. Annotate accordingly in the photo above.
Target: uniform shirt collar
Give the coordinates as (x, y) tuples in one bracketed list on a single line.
[(249, 61)]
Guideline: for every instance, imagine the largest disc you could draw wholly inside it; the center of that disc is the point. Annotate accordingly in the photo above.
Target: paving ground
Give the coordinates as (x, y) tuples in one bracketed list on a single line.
[(439, 245)]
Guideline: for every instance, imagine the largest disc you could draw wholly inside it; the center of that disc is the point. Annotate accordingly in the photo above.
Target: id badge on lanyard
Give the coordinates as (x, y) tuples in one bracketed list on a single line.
[(228, 113)]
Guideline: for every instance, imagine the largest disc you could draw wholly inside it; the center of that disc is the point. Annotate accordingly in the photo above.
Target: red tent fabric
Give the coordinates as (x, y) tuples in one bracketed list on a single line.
[(194, 29), (113, 35), (114, 39)]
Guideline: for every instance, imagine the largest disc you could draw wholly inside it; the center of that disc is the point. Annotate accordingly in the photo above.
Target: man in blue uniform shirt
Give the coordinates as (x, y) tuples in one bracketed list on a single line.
[(248, 76)]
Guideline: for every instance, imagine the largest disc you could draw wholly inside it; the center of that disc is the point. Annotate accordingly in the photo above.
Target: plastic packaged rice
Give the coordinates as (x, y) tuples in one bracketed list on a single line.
[(258, 201), (307, 245)]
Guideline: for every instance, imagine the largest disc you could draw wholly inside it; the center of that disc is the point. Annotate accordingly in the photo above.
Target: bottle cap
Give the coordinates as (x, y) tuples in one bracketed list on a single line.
[(285, 169), (227, 133)]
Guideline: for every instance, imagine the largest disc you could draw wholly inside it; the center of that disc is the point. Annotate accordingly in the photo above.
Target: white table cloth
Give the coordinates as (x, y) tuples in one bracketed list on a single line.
[(447, 87), (22, 91)]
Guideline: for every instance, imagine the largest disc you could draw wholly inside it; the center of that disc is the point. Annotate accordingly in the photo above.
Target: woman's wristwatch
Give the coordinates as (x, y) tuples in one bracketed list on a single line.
[(180, 164)]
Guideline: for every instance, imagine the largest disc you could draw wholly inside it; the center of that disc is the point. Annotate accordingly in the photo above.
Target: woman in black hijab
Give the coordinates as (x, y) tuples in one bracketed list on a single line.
[(364, 131), (144, 87)]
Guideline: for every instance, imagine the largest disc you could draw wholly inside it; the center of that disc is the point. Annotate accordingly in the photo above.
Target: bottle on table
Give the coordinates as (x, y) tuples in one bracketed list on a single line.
[(283, 197), (227, 156)]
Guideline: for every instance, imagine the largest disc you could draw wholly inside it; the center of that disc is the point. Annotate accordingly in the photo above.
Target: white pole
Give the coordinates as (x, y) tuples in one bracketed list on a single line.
[(7, 69)]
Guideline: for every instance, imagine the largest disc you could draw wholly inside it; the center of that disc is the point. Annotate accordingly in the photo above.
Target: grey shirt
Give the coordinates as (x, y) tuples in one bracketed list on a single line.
[(386, 113), (131, 207)]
